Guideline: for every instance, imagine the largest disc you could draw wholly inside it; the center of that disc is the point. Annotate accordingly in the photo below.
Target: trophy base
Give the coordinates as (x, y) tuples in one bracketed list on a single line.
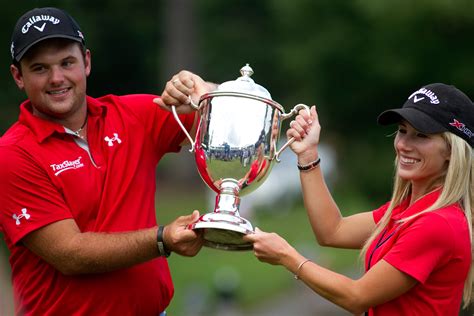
[(224, 231)]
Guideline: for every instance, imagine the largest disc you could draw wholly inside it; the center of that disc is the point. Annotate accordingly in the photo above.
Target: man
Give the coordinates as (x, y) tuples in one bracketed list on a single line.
[(78, 184)]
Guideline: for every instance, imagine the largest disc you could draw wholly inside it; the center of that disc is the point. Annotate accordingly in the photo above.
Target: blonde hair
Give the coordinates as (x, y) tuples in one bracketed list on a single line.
[(458, 187)]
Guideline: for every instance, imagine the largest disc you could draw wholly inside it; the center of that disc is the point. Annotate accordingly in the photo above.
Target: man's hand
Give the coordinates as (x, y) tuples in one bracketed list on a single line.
[(180, 88), (178, 238)]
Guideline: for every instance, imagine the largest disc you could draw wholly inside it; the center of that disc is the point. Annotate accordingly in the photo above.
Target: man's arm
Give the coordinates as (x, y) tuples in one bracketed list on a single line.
[(62, 245)]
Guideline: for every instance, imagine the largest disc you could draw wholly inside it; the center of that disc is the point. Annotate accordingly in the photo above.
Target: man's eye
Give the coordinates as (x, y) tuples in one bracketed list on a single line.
[(38, 68), (422, 135), (402, 131)]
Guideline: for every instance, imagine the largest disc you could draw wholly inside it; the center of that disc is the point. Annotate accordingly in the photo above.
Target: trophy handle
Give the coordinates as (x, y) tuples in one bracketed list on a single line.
[(284, 116), (176, 117), (193, 105)]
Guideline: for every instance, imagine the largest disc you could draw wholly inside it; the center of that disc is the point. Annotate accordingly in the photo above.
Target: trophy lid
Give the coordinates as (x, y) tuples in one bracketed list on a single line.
[(243, 87), (244, 84)]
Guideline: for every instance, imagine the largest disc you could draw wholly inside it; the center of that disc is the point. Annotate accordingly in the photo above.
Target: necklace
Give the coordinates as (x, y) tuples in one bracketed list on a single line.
[(77, 132)]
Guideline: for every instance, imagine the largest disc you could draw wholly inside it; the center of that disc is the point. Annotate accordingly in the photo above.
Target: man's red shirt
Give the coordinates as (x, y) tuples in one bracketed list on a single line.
[(106, 185)]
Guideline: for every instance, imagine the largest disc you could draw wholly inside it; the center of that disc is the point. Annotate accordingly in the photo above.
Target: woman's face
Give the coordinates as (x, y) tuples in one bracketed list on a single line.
[(422, 158)]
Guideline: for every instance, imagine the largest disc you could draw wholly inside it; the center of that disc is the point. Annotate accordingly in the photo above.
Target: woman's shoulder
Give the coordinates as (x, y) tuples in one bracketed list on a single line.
[(444, 225), (449, 214)]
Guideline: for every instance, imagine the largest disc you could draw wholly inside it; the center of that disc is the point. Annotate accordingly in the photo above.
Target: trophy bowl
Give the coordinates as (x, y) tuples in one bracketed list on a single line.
[(235, 149)]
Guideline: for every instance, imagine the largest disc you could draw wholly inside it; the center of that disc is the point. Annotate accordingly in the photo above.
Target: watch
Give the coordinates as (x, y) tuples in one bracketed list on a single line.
[(161, 244)]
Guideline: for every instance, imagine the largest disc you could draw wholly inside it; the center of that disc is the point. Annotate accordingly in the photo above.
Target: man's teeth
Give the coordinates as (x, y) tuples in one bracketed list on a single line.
[(58, 91)]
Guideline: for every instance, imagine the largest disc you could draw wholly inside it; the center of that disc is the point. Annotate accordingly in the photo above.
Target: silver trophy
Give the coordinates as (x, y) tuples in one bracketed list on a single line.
[(235, 149)]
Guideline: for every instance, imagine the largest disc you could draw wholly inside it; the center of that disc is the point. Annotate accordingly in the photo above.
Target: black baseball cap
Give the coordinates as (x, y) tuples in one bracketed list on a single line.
[(40, 24), (436, 108)]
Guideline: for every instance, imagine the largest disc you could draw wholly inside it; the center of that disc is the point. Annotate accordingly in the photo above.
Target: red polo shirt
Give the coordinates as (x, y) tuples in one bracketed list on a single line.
[(433, 248), (107, 185)]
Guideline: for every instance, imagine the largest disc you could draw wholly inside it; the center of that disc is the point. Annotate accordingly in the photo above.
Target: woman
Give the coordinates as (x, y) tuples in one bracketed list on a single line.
[(417, 247)]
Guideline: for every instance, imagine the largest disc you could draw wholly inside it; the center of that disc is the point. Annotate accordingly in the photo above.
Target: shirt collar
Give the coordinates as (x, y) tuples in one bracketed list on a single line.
[(403, 210), (43, 128)]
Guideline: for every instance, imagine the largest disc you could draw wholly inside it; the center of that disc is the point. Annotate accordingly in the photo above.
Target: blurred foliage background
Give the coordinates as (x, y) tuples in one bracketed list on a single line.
[(353, 59)]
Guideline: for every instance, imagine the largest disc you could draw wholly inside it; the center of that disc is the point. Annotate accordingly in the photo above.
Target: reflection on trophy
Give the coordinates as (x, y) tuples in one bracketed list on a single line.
[(235, 148)]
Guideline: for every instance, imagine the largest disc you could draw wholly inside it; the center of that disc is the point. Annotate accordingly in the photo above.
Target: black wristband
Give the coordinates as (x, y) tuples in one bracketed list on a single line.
[(309, 166), (161, 244)]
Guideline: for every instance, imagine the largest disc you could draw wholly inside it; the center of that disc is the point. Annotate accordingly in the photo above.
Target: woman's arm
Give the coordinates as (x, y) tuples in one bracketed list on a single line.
[(380, 284), (329, 226)]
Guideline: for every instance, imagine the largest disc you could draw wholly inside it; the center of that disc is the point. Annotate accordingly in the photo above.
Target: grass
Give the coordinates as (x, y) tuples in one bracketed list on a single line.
[(200, 281)]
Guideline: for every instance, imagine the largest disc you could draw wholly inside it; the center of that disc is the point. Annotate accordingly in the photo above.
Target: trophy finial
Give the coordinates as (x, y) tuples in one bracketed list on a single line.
[(246, 71), (244, 84)]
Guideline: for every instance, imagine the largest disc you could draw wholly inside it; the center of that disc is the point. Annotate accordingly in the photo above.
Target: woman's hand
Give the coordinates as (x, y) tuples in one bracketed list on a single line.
[(305, 129), (272, 249)]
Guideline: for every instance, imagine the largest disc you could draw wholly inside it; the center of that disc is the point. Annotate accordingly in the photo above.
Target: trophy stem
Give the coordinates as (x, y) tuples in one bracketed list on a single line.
[(228, 200), (224, 228)]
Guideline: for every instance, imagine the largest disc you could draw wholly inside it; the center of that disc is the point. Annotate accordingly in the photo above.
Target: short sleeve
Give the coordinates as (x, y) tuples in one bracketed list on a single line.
[(423, 245), (161, 125), (380, 212), (28, 199)]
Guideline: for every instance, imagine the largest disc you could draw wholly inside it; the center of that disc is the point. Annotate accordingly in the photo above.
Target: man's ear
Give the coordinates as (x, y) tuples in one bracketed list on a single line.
[(87, 63), (17, 76)]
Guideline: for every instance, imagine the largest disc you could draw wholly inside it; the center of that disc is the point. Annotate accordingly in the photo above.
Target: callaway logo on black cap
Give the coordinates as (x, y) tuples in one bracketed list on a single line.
[(40, 24), (436, 108)]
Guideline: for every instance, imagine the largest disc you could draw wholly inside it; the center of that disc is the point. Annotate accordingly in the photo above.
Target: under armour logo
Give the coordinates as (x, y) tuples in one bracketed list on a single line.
[(23, 214), (110, 141)]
